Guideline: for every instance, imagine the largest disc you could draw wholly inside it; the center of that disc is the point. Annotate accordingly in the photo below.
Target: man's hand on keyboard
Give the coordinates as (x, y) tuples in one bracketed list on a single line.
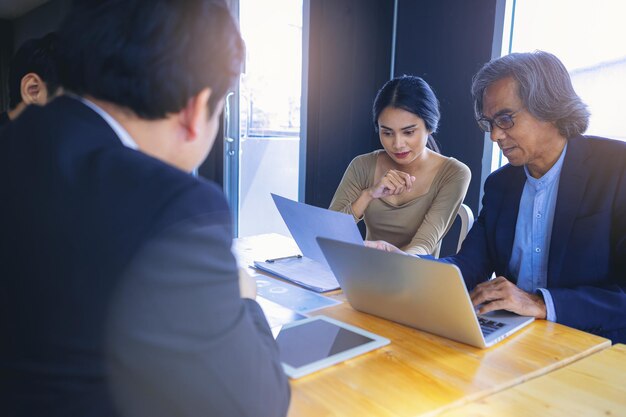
[(501, 294)]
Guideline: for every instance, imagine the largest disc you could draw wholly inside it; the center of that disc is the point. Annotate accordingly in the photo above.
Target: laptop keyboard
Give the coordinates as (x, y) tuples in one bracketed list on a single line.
[(489, 326)]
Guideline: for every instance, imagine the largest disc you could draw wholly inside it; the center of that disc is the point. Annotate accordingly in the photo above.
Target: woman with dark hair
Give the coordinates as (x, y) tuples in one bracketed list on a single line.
[(407, 193)]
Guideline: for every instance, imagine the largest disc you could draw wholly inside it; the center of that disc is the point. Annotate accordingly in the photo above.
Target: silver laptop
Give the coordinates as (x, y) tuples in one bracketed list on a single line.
[(420, 293), (305, 223)]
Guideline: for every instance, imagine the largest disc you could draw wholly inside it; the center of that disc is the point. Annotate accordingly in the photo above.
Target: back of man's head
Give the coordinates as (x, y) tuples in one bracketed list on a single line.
[(150, 56), (36, 56)]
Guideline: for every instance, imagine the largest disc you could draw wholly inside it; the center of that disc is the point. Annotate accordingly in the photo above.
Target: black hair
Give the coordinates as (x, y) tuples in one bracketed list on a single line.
[(543, 85), (413, 94), (34, 56), (150, 56)]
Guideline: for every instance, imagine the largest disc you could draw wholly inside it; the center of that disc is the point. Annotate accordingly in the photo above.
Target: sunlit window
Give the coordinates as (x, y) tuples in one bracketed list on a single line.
[(270, 86), (269, 117), (589, 38)]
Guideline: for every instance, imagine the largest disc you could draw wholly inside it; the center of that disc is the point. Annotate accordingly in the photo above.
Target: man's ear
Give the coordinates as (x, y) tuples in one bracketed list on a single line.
[(33, 89), (195, 115)]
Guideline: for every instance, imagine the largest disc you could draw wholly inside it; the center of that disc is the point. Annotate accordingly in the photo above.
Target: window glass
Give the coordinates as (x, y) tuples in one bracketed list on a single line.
[(589, 38), (269, 111)]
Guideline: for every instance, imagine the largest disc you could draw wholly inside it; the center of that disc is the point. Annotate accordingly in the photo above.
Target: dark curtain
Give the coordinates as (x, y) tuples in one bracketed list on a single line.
[(6, 51), (349, 60), (446, 42)]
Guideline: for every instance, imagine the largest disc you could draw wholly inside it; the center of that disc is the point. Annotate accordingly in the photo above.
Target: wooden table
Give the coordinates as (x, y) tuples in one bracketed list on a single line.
[(593, 386), (420, 373)]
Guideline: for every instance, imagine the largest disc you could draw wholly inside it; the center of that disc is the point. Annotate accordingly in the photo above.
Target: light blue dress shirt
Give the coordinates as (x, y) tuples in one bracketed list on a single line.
[(533, 231)]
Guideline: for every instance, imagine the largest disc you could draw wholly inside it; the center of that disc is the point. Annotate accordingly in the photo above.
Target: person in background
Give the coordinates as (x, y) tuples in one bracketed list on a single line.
[(33, 76), (119, 293), (407, 193), (553, 223)]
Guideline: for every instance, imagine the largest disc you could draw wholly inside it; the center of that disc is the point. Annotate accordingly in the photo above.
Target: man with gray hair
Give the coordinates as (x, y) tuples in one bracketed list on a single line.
[(553, 223)]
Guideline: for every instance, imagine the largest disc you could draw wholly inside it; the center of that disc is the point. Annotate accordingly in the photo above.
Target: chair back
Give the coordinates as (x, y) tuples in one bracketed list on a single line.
[(467, 220)]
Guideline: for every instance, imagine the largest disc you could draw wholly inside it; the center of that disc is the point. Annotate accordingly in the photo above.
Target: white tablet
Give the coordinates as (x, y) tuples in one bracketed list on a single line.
[(315, 343)]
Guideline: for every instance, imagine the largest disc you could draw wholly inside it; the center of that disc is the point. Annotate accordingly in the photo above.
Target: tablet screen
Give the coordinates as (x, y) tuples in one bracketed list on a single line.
[(317, 340), (308, 345)]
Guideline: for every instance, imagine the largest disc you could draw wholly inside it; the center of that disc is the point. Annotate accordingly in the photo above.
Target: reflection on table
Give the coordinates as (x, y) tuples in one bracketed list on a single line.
[(593, 386), (420, 373)]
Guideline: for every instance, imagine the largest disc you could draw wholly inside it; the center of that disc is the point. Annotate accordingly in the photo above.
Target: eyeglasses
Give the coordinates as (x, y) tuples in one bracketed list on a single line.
[(503, 121)]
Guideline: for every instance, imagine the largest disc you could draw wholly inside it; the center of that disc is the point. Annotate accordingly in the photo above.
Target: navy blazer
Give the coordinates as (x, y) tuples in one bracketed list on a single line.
[(118, 289), (587, 258)]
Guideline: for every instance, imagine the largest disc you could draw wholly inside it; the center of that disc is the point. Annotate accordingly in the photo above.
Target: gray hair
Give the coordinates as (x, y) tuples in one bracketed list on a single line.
[(544, 86)]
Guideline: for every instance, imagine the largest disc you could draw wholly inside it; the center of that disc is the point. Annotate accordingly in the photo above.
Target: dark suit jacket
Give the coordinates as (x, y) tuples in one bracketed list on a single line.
[(587, 259), (4, 119), (118, 290)]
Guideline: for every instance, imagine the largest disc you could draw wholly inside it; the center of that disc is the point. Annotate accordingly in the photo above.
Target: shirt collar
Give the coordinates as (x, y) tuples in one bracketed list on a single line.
[(550, 176), (119, 130)]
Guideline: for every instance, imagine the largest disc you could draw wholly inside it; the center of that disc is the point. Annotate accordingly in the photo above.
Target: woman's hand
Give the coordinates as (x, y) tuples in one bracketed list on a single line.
[(394, 182), (384, 246)]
